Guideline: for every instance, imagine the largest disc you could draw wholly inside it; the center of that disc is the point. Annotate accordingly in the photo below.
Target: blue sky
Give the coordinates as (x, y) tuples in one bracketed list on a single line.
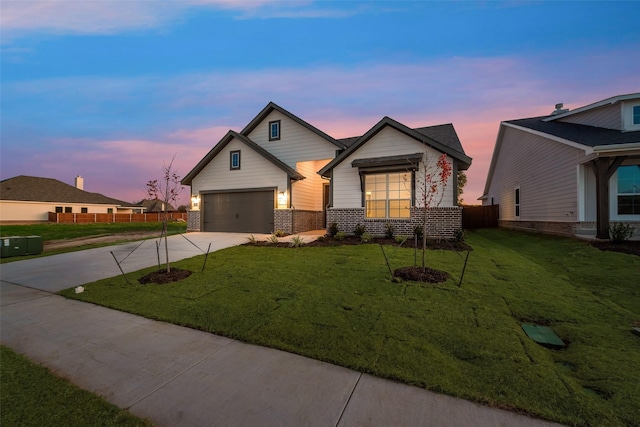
[(112, 89)]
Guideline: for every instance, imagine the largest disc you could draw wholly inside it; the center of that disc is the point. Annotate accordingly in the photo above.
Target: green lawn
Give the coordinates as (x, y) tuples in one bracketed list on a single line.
[(31, 395), (52, 231), (338, 304)]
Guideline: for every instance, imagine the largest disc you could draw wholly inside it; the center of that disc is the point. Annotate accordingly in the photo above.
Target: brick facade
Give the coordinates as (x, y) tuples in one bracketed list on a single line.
[(580, 229), (293, 221), (441, 222), (193, 221)]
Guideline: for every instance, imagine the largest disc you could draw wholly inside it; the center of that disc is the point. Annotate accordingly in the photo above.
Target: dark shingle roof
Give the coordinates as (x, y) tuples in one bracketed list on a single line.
[(36, 189), (582, 134), (445, 134), (155, 205)]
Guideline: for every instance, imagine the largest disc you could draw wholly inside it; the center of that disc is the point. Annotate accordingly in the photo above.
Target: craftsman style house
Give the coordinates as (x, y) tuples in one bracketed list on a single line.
[(572, 172), (282, 173)]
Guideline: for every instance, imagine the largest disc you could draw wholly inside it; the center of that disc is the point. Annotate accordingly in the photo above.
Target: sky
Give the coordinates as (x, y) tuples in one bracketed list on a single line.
[(111, 90)]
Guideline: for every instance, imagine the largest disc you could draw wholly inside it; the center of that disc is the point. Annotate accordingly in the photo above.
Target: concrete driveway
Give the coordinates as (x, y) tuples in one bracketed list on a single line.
[(177, 376)]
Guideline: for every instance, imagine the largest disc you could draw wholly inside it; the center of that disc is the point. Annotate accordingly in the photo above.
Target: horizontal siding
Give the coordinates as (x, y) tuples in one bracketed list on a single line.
[(388, 142), (255, 171), (544, 170), (296, 143), (307, 193), (609, 117)]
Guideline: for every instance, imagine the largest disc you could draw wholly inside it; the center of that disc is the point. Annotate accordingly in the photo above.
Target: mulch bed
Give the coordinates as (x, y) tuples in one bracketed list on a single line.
[(354, 240), (629, 247), (419, 274), (161, 277)]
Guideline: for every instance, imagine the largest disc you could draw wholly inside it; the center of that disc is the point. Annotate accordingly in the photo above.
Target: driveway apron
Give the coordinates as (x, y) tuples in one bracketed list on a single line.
[(177, 376)]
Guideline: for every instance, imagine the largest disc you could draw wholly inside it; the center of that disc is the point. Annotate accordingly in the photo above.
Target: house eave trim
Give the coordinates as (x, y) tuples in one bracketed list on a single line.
[(586, 148)]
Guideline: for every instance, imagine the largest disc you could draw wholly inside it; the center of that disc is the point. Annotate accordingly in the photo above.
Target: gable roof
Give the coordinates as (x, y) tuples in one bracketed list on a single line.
[(441, 137), (155, 205), (608, 101), (249, 143), (36, 189), (271, 106), (590, 136)]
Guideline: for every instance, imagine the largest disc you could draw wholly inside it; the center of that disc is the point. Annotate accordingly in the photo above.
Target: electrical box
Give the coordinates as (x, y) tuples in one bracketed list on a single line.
[(34, 245), (13, 246)]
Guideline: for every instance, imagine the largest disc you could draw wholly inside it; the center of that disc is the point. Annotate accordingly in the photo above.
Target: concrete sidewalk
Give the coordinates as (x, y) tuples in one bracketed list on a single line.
[(177, 376)]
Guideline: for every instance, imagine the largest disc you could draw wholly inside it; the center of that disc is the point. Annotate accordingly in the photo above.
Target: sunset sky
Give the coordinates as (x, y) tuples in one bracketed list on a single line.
[(112, 89)]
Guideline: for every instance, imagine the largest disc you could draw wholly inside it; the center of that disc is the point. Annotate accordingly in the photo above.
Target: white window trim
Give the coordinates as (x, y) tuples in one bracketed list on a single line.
[(613, 201), (627, 116)]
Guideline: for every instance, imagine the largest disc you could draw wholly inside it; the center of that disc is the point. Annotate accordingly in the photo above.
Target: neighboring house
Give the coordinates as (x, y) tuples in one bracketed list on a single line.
[(572, 172), (30, 199), (281, 173), (155, 205)]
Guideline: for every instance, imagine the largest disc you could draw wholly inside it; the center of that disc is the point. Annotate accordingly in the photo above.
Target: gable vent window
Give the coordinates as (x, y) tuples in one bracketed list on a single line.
[(274, 130), (234, 160)]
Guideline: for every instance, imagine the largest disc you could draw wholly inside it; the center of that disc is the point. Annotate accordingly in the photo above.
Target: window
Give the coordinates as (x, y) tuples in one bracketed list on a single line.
[(58, 209), (388, 195), (629, 190), (636, 115), (110, 210), (67, 209), (517, 202), (274, 130), (84, 210), (234, 160)]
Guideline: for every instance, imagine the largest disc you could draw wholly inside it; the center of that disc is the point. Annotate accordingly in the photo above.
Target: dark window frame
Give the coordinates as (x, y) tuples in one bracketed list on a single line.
[(59, 209), (84, 210), (279, 130), (517, 202), (231, 154)]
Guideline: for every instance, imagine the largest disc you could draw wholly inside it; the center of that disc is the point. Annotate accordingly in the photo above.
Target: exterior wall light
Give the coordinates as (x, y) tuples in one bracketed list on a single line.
[(195, 202), (282, 200)]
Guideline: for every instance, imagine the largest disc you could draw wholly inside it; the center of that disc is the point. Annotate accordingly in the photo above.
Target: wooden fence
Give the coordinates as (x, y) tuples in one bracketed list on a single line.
[(88, 218), (480, 216)]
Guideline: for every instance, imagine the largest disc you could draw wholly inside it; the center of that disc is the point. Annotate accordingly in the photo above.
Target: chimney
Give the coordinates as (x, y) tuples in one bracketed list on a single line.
[(559, 109), (79, 182)]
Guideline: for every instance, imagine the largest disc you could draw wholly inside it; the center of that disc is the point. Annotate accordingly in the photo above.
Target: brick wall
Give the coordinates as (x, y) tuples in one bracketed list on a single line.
[(193, 221), (283, 220), (548, 227), (441, 222), (293, 221)]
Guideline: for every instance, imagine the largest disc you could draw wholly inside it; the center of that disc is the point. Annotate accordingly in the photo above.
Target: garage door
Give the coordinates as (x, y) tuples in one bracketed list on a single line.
[(239, 212)]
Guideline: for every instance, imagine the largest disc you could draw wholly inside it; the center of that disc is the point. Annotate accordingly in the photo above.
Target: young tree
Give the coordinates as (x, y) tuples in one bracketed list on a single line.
[(462, 181), (167, 189), (431, 187)]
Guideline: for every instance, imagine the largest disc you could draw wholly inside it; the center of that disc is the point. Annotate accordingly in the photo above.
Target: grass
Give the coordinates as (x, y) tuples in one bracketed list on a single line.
[(52, 231), (338, 304), (33, 396)]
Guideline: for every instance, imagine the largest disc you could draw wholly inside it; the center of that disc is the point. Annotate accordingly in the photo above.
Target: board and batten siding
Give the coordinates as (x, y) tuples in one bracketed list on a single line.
[(609, 117), (546, 173), (388, 142), (255, 172), (307, 193), (296, 143)]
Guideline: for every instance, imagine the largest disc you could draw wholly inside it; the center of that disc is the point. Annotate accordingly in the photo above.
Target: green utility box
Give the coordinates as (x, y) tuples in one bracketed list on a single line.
[(13, 246), (34, 245)]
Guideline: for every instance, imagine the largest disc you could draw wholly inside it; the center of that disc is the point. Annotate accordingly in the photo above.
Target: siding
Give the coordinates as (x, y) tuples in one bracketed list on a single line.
[(255, 171), (388, 142), (296, 143), (307, 194), (609, 117), (546, 173), (11, 210)]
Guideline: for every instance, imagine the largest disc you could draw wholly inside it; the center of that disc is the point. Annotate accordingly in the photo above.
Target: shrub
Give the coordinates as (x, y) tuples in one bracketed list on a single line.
[(388, 231), (401, 239), (417, 231), (340, 235), (621, 232), (359, 230), (273, 239), (280, 233), (252, 239), (320, 239), (461, 235), (333, 229), (366, 237), (296, 241)]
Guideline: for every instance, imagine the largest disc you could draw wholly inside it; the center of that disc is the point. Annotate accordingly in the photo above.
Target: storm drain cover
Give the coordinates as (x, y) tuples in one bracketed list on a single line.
[(543, 335)]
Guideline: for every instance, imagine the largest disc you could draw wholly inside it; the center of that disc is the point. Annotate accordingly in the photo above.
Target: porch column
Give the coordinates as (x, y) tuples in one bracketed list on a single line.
[(604, 168)]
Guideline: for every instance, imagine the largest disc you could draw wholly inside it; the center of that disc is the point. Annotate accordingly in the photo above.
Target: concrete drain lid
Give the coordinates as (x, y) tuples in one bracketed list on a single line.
[(543, 335)]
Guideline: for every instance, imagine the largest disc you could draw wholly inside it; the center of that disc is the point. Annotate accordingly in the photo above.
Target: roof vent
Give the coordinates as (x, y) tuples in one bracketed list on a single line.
[(559, 109)]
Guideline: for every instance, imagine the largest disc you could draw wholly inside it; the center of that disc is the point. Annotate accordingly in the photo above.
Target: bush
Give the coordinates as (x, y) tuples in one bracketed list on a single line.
[(280, 233), (366, 237), (461, 235), (333, 229), (273, 239), (621, 232), (417, 231), (296, 241), (401, 239), (252, 239), (359, 230), (388, 231), (340, 235)]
